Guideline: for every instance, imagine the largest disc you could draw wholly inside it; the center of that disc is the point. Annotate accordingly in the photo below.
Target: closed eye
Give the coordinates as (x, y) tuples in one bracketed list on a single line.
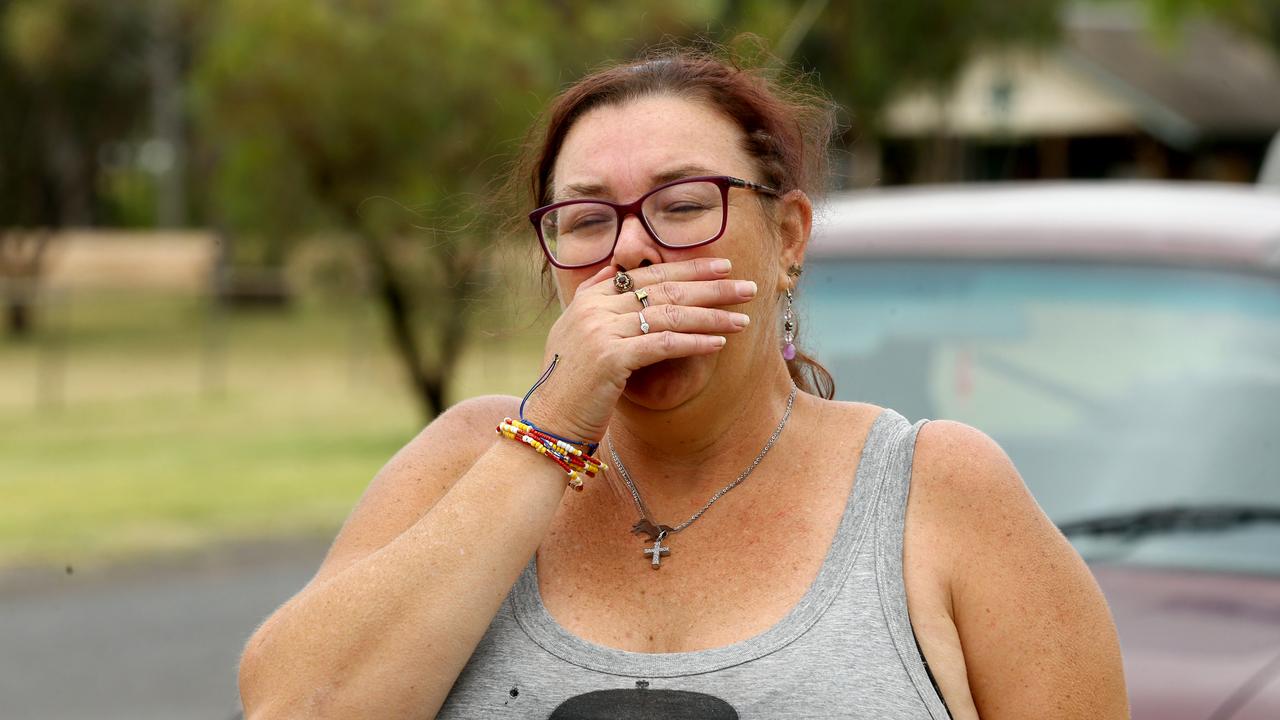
[(685, 207), (586, 222)]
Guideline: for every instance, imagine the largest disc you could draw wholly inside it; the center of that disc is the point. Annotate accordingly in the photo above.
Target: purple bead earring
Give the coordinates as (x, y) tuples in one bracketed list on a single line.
[(788, 329)]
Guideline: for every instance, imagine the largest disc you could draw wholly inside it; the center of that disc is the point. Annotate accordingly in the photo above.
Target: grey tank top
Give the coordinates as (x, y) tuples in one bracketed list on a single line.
[(846, 650)]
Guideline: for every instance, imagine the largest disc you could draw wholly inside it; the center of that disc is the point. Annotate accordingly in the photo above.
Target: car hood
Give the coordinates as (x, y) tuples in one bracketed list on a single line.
[(1193, 639)]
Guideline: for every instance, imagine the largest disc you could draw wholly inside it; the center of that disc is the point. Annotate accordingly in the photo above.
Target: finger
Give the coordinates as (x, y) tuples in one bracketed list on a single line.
[(684, 319), (683, 271), (703, 293), (605, 273), (657, 346)]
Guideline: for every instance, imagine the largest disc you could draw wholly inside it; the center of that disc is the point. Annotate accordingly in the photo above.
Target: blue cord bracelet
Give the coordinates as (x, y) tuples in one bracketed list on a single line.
[(555, 359)]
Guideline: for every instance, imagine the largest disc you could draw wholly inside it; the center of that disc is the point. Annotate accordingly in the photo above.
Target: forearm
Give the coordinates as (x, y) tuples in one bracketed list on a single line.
[(388, 635)]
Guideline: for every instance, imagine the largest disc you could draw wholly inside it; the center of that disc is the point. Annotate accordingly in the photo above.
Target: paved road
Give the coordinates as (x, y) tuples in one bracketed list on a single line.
[(157, 641)]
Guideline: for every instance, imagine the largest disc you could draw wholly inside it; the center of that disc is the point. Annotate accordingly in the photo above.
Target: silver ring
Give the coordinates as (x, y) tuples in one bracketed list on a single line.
[(644, 324), (643, 296), (622, 282)]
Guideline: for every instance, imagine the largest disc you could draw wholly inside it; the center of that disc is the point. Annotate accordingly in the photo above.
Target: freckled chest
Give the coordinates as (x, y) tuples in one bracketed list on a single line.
[(731, 575)]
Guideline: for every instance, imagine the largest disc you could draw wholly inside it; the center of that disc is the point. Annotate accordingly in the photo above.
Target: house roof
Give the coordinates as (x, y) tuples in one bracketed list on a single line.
[(1109, 75), (1015, 93), (1205, 80)]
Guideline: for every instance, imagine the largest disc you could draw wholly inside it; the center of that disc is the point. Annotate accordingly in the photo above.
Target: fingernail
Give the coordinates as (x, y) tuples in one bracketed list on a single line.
[(718, 341), (746, 287), (721, 266), (740, 319)]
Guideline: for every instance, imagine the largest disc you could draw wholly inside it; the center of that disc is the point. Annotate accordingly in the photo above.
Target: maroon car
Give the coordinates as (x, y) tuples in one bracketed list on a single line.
[(1122, 342)]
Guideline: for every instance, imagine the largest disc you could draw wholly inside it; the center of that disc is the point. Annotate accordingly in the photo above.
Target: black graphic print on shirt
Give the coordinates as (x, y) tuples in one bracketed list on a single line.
[(644, 704)]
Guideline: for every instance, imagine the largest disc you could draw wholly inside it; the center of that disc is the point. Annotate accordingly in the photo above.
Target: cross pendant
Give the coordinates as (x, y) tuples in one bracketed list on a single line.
[(657, 551)]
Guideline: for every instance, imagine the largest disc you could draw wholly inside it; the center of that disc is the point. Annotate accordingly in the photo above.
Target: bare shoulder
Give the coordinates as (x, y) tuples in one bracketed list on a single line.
[(966, 490), (1033, 625), (955, 447), (417, 476), (960, 465)]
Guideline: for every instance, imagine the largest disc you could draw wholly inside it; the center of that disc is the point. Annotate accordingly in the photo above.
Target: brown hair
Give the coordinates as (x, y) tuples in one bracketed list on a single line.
[(787, 125)]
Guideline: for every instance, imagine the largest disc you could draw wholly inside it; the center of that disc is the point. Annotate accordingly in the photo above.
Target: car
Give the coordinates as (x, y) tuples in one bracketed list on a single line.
[(1121, 341)]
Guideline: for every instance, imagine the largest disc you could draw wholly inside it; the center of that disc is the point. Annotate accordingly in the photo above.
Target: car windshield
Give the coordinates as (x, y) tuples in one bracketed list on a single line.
[(1115, 389)]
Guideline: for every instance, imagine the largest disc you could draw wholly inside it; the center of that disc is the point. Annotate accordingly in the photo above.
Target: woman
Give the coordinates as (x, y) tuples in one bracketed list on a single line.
[(752, 550)]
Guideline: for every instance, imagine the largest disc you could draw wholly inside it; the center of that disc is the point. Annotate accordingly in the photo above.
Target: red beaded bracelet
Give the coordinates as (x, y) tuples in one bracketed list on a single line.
[(572, 460)]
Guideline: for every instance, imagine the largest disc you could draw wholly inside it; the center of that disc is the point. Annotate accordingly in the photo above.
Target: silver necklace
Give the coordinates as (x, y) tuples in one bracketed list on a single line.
[(657, 533)]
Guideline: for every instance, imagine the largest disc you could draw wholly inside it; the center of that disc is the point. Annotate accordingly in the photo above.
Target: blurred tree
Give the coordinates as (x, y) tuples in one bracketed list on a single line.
[(314, 108), (70, 82)]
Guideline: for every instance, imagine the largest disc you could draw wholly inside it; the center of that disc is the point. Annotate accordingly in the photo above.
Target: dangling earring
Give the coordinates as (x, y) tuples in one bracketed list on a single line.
[(788, 329)]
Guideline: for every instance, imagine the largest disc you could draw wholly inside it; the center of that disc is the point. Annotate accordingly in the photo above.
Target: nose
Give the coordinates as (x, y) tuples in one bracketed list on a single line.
[(635, 247)]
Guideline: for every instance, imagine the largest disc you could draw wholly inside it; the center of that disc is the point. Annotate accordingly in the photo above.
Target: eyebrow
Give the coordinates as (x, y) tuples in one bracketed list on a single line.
[(596, 190)]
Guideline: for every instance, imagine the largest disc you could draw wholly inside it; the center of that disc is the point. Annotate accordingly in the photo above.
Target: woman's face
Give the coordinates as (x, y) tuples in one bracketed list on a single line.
[(620, 152)]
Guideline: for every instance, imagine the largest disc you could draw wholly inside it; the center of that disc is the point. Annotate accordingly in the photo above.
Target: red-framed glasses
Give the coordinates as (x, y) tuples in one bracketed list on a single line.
[(684, 213)]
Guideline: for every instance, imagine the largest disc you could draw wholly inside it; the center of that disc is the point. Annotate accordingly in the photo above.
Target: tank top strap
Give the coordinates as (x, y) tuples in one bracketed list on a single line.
[(888, 526), (855, 534)]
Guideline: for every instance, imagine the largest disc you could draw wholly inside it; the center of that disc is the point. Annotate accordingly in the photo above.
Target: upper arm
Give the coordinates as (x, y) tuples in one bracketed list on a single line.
[(1036, 634), (416, 477)]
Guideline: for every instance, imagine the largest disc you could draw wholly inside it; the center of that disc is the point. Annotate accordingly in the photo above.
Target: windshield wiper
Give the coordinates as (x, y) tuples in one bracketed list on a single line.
[(1175, 518)]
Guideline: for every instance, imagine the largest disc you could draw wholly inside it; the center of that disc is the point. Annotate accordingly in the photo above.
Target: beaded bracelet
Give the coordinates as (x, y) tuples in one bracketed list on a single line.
[(570, 459)]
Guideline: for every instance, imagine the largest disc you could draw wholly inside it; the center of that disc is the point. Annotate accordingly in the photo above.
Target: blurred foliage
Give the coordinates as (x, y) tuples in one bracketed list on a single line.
[(313, 108), (388, 120), (70, 83), (73, 80)]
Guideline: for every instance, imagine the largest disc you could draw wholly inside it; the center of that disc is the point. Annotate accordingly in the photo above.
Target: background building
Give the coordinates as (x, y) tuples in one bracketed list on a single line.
[(1112, 100)]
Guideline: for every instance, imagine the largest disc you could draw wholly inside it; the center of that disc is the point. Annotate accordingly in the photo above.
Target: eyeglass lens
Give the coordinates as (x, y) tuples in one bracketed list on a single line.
[(685, 214)]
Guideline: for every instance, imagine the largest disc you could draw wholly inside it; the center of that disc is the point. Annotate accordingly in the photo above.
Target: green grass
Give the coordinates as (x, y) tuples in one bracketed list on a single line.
[(160, 427)]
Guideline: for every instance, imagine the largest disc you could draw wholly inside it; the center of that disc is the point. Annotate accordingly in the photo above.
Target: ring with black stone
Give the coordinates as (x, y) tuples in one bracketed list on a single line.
[(622, 282)]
